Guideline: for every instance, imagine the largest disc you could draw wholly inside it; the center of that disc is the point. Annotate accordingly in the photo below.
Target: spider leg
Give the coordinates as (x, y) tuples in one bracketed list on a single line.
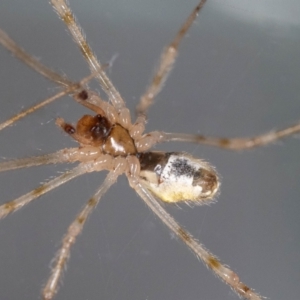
[(99, 163), (69, 239), (32, 62), (235, 144), (18, 203), (95, 100), (166, 63), (82, 98), (211, 261), (65, 13), (70, 89), (62, 156)]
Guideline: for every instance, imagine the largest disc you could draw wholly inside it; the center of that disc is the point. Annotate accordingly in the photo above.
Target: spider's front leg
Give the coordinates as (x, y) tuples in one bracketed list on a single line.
[(65, 13)]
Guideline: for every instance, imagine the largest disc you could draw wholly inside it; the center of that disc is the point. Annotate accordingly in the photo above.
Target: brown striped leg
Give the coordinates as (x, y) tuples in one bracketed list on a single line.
[(166, 63), (71, 89), (230, 143), (92, 162), (81, 154), (32, 62), (18, 203), (69, 239), (152, 138), (210, 260), (65, 13)]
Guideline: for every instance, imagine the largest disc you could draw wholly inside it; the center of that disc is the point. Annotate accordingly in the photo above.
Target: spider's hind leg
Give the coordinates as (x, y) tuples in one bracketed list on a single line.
[(234, 144)]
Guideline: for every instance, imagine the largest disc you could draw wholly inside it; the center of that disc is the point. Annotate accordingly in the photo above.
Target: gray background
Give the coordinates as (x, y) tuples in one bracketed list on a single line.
[(237, 75)]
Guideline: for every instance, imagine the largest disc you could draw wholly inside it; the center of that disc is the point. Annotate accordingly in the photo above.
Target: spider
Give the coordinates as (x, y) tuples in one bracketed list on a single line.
[(91, 137)]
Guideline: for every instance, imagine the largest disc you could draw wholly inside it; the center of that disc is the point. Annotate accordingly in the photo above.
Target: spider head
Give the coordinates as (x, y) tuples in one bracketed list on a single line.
[(94, 128)]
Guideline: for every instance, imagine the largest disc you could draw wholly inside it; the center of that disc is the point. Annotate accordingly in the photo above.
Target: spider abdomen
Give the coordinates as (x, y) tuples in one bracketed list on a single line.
[(177, 176)]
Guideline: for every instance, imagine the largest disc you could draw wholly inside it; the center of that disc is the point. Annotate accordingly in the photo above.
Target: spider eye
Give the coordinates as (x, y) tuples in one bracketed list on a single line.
[(100, 128), (175, 177)]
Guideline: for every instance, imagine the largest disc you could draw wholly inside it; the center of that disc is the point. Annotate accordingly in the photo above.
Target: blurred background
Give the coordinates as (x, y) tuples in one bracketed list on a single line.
[(237, 75)]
